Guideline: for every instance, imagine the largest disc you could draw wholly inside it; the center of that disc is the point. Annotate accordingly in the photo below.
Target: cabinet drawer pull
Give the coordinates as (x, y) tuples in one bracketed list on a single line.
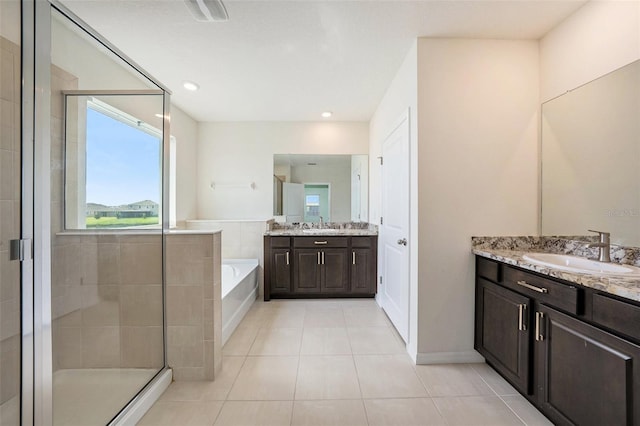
[(319, 243), (532, 287), (539, 318), (353, 257), (318, 258), (287, 258), (522, 308), (323, 258)]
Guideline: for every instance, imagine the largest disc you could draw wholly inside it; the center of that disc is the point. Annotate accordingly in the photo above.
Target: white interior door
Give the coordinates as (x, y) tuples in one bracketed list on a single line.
[(293, 201), (394, 230)]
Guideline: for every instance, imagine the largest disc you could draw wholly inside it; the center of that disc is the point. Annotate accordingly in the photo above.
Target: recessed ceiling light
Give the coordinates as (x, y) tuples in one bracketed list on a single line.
[(327, 114), (190, 85)]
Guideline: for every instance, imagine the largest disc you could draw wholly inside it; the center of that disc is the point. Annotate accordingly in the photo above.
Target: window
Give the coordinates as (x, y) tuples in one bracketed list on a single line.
[(113, 175)]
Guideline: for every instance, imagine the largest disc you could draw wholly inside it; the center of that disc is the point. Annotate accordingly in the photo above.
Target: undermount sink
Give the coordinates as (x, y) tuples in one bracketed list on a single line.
[(583, 265), (320, 231)]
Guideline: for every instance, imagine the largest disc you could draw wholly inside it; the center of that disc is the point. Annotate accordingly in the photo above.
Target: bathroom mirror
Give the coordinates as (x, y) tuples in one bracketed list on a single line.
[(591, 159), (307, 188)]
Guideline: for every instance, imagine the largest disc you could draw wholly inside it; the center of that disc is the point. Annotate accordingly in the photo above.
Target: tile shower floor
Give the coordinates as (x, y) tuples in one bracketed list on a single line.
[(336, 362)]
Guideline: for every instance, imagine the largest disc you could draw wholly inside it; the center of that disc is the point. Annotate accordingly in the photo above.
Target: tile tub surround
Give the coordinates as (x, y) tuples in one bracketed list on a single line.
[(511, 250), (339, 362), (194, 304), (340, 228)]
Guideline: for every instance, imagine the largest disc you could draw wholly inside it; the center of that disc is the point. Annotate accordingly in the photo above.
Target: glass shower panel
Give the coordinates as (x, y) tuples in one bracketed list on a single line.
[(10, 182), (106, 239)]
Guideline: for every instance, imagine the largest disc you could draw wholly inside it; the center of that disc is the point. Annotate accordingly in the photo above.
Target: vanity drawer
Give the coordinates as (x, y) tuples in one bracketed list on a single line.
[(282, 242), (320, 241), (617, 315), (364, 242), (488, 269), (562, 296)]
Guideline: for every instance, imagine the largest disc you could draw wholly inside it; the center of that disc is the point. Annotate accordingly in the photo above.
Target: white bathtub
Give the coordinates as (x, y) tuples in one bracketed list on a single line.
[(239, 291)]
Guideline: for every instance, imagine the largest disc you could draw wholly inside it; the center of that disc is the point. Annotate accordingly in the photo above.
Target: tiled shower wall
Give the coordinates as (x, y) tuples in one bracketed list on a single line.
[(10, 169)]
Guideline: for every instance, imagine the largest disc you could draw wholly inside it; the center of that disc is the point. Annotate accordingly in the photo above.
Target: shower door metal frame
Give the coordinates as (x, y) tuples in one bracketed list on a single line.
[(36, 345)]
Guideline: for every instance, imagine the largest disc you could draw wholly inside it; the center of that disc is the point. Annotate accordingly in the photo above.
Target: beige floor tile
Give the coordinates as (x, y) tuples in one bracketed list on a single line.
[(388, 376), (325, 341), (499, 385), (206, 390), (183, 413), (374, 341), (258, 413), (402, 412), (240, 341), (476, 410), (327, 377), (324, 318), (277, 341), (266, 378), (525, 411), (359, 303), (323, 303), (365, 317), (284, 318), (329, 413), (452, 380)]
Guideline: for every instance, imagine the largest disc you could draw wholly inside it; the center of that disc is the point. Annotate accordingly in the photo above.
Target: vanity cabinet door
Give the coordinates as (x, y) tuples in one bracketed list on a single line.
[(585, 376), (335, 271), (280, 270), (307, 272), (363, 271), (502, 331)]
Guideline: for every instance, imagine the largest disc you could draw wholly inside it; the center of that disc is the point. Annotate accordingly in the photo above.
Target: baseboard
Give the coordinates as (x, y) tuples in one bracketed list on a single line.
[(448, 358), (143, 402)]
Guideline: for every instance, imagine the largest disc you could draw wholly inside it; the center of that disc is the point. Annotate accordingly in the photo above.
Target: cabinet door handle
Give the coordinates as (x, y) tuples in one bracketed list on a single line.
[(532, 287), (353, 257), (323, 258), (320, 243), (522, 309), (287, 258), (539, 318), (318, 258)]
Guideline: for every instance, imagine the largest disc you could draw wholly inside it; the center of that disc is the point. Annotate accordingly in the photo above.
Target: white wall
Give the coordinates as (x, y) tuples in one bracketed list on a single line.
[(600, 37), (242, 152), (185, 130), (478, 121), (402, 95)]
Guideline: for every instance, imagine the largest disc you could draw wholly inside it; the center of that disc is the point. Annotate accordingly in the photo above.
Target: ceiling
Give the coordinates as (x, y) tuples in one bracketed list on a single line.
[(292, 60)]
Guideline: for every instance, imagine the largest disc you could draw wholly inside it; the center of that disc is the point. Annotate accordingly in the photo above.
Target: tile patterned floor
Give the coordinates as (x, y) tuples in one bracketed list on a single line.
[(336, 362)]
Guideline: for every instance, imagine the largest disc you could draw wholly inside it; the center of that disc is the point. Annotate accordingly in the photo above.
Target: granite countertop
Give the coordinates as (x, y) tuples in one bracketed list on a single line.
[(321, 232), (512, 254)]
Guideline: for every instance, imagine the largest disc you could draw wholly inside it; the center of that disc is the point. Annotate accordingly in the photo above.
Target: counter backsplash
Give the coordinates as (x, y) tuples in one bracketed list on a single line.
[(574, 245), (275, 226)]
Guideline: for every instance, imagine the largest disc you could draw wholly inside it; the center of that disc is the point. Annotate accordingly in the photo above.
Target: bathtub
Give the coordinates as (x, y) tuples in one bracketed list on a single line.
[(239, 291)]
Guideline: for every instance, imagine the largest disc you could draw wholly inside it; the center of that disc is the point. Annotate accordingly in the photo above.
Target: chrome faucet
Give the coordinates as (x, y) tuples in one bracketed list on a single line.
[(604, 245), (321, 222)]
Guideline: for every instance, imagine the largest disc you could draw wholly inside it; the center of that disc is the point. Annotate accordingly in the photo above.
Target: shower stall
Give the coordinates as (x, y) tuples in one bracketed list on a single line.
[(84, 154)]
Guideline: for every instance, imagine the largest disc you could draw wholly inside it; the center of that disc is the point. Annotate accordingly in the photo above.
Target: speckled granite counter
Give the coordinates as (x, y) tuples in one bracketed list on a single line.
[(511, 250), (327, 230)]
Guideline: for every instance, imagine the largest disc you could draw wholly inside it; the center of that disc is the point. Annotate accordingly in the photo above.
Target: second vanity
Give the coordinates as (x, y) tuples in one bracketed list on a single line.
[(320, 262), (569, 342)]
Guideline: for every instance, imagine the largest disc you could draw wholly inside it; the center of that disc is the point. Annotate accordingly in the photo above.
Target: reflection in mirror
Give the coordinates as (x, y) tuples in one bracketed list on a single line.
[(314, 188), (591, 159)]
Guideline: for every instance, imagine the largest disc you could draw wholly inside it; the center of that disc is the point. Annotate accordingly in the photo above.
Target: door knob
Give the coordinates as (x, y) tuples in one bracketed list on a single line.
[(402, 242)]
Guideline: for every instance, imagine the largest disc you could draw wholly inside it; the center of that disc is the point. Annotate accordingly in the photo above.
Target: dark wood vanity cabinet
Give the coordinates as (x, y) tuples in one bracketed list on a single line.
[(503, 332), (568, 349), (318, 266)]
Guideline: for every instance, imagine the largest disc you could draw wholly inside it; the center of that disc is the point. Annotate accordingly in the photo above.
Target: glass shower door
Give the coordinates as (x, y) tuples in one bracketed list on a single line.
[(10, 188)]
